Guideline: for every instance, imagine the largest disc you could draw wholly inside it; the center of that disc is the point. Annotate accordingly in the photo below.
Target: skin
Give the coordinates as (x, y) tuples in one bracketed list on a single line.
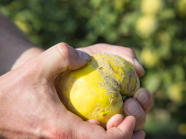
[(29, 103)]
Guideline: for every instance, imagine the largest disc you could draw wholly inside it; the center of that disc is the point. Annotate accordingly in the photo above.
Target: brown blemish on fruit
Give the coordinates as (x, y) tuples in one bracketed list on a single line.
[(132, 81), (109, 68), (104, 115)]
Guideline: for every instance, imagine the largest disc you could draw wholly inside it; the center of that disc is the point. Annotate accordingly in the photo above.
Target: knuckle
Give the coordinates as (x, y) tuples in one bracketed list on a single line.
[(60, 134), (62, 44), (64, 51), (63, 48)]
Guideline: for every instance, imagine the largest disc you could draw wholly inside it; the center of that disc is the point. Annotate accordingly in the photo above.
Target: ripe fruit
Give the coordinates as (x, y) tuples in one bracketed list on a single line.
[(151, 6), (180, 5), (97, 90), (146, 25)]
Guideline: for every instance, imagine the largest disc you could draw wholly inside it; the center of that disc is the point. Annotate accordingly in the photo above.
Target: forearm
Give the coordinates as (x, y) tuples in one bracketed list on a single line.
[(15, 48)]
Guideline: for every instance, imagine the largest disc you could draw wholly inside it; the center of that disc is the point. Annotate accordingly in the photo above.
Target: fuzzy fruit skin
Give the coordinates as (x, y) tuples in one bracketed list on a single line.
[(97, 90)]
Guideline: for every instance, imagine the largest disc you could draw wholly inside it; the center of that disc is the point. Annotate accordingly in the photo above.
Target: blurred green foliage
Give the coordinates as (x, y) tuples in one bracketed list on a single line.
[(155, 29)]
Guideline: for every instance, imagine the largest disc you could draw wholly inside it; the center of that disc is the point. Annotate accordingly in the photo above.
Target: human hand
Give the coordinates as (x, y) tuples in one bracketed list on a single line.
[(141, 102), (26, 55), (30, 107)]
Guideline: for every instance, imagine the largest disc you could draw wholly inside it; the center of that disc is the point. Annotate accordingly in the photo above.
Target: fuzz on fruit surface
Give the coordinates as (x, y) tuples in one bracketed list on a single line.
[(98, 90)]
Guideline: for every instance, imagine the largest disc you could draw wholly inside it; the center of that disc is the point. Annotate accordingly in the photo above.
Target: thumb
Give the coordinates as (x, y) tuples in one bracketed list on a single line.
[(59, 58)]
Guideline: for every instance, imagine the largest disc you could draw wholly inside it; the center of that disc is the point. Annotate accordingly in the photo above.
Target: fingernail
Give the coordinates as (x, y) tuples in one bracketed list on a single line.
[(142, 97), (133, 108), (138, 64), (83, 55)]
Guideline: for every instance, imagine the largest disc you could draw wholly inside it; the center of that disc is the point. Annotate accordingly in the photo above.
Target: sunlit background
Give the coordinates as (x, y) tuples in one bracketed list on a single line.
[(155, 29)]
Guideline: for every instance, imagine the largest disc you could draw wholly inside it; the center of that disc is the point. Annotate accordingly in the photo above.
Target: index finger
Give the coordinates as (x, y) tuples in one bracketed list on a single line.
[(124, 52)]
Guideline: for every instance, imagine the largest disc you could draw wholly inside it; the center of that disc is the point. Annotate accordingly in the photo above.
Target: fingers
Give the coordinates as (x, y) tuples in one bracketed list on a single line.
[(132, 107), (138, 135), (144, 97), (126, 53), (94, 121), (114, 121), (135, 63), (124, 130), (138, 106), (60, 58)]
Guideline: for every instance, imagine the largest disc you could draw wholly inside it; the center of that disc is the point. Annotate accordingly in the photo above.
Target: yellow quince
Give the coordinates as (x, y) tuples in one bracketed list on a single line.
[(99, 89)]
